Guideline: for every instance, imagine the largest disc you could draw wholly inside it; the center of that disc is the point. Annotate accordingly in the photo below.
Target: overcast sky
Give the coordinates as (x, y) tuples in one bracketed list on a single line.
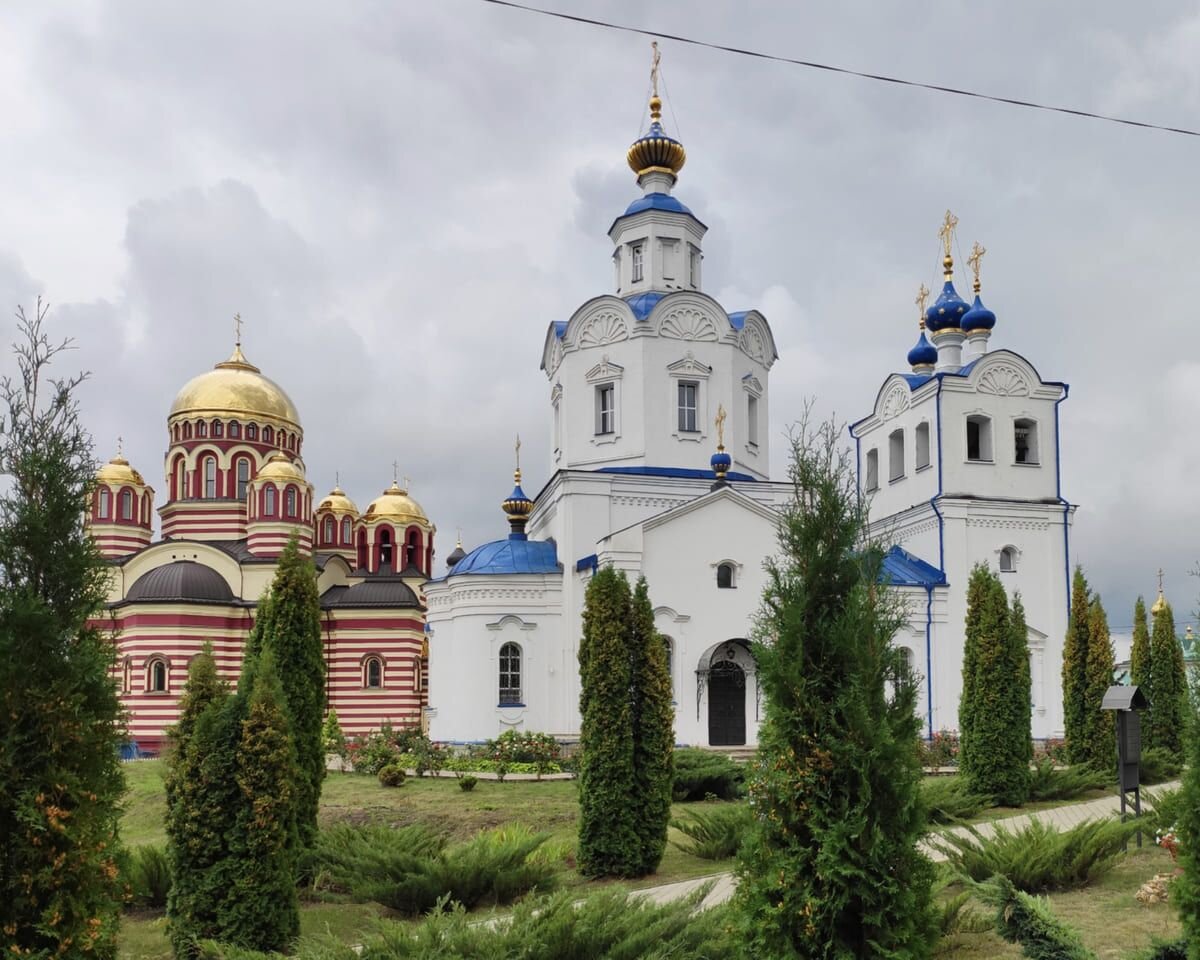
[(398, 197)]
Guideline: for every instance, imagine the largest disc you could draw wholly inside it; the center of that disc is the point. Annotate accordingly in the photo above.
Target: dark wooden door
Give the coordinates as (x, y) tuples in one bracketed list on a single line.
[(726, 704)]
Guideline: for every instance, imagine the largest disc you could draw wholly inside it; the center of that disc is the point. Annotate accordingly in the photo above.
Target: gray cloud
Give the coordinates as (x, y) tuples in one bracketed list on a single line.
[(399, 199)]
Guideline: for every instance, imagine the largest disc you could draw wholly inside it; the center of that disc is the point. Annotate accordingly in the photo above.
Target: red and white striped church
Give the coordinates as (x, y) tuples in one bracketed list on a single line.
[(236, 492)]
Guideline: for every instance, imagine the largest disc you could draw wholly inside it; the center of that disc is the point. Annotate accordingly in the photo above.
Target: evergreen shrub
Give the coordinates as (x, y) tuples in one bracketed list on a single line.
[(1158, 765), (1028, 921), (950, 799), (699, 773), (1038, 857), (714, 833), (149, 873), (392, 775), (1049, 782), (467, 784), (1074, 669)]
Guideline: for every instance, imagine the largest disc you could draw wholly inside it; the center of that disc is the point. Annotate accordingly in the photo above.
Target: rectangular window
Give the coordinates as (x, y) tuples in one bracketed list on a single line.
[(872, 470), (922, 445), (635, 253), (752, 420), (103, 512), (243, 477), (617, 268), (896, 455), (979, 439), (606, 409), (1025, 440), (693, 266), (210, 478), (126, 505), (688, 393), (668, 248)]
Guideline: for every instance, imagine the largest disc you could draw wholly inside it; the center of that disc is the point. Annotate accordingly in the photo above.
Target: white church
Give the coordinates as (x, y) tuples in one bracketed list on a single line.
[(658, 407)]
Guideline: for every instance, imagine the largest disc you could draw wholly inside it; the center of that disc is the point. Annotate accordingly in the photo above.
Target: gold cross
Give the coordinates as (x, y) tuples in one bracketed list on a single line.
[(237, 328), (973, 261), (337, 478), (654, 68), (1160, 576), (720, 422), (120, 444), (518, 449), (947, 231), (395, 471), (922, 299)]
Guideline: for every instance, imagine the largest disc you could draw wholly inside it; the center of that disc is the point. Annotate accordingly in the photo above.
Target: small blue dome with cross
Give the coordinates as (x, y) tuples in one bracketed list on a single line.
[(923, 354)]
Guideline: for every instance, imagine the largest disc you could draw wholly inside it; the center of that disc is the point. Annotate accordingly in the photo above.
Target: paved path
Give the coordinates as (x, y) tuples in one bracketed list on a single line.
[(1066, 816)]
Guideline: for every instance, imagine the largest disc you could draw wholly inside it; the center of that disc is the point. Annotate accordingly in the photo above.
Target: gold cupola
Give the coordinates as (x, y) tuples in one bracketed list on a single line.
[(337, 502), (118, 471), (237, 389), (395, 505), (656, 152)]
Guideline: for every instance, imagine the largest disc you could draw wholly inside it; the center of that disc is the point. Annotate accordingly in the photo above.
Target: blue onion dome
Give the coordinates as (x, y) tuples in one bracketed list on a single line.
[(721, 462), (947, 310), (656, 152), (517, 507), (978, 317), (923, 353)]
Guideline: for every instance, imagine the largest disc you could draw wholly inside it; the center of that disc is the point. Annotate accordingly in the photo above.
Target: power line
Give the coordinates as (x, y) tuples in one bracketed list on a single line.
[(830, 68)]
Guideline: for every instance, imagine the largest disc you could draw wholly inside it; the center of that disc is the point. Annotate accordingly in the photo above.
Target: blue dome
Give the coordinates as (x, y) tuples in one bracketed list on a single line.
[(947, 311), (509, 556), (656, 201), (978, 317), (923, 353), (721, 462)]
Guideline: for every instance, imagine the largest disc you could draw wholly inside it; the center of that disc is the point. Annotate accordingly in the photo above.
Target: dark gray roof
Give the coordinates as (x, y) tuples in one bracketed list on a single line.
[(182, 580), (376, 591)]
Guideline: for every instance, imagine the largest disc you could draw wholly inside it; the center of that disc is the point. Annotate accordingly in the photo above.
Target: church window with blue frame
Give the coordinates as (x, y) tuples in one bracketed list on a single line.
[(510, 674), (606, 409), (689, 392), (636, 261)]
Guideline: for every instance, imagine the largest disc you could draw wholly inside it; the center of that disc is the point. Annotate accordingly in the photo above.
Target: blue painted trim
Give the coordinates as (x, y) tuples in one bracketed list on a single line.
[(933, 501), (586, 563), (929, 659), (499, 705), (1066, 388), (685, 473)]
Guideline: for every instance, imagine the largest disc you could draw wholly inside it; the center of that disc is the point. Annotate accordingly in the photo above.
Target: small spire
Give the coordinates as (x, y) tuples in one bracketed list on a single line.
[(237, 330), (517, 471), (120, 447), (655, 100), (973, 261), (946, 233), (1161, 603), (921, 301)]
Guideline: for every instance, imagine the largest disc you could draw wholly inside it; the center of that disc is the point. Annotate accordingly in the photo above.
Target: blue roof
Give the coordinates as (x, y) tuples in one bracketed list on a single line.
[(738, 320), (902, 569), (509, 556), (642, 303), (560, 327), (589, 562), (656, 201), (686, 473)]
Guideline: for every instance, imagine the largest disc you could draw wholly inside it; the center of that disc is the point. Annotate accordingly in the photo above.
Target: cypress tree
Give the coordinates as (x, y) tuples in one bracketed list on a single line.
[(1023, 705), (1099, 735), (977, 593), (61, 723), (1185, 890), (202, 805), (608, 842), (1139, 657), (1074, 672), (260, 909), (995, 761), (1168, 684), (290, 628), (830, 867), (653, 732)]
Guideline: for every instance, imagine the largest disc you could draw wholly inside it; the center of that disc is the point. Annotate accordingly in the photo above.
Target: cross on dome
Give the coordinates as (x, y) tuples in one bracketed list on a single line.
[(974, 260), (921, 301), (946, 234)]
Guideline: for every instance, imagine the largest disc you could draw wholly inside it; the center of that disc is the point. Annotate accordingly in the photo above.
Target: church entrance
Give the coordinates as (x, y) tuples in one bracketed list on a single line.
[(726, 704)]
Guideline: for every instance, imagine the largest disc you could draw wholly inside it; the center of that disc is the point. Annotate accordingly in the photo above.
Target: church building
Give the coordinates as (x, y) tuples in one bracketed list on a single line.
[(236, 493), (960, 461)]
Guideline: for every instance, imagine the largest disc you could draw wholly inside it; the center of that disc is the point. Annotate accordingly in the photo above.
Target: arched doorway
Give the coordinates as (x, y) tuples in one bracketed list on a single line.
[(726, 704)]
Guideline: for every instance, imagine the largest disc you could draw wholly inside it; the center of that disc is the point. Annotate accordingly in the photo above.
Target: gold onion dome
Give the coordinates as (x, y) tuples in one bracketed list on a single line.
[(118, 470), (395, 504), (1160, 604), (281, 468), (337, 501), (235, 388), (656, 152)]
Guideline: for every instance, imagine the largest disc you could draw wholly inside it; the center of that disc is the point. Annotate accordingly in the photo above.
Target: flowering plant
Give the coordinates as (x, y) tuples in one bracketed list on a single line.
[(1168, 839)]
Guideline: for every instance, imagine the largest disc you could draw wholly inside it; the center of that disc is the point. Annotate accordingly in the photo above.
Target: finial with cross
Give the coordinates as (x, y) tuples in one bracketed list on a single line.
[(337, 479), (946, 233), (1160, 576), (396, 471), (517, 471), (922, 299), (973, 261), (654, 59), (120, 447), (720, 424), (237, 329)]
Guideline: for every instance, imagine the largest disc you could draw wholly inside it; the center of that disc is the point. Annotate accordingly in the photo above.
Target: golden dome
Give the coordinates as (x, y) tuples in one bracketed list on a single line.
[(281, 469), (235, 388), (337, 502), (396, 505), (1160, 604), (656, 152), (117, 471)]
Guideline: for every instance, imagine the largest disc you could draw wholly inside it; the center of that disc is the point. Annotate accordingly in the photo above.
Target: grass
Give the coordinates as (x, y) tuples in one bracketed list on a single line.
[(1109, 920)]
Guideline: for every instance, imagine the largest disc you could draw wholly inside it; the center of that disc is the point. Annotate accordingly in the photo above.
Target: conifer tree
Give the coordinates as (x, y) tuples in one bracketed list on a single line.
[(202, 805), (995, 758), (60, 720), (1185, 890), (608, 842), (261, 910), (1139, 658), (653, 725), (1099, 744), (290, 627), (1074, 673), (977, 593), (1168, 684), (1020, 652), (830, 868)]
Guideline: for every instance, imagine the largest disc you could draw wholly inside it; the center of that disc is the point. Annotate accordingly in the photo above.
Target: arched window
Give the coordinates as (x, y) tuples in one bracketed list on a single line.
[(872, 470), (243, 475), (1025, 441), (896, 455), (725, 576), (187, 431), (413, 550), (218, 428), (362, 549), (210, 477), (373, 673), (289, 499), (156, 675), (669, 645), (251, 431), (346, 531), (510, 674), (268, 436), (126, 504), (416, 668), (327, 533), (201, 428), (1008, 560), (235, 430), (105, 504), (922, 444), (282, 439), (385, 548), (269, 501), (176, 433), (127, 675)]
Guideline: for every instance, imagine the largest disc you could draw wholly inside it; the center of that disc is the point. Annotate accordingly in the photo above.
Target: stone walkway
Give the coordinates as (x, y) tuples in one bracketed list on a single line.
[(1065, 817)]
